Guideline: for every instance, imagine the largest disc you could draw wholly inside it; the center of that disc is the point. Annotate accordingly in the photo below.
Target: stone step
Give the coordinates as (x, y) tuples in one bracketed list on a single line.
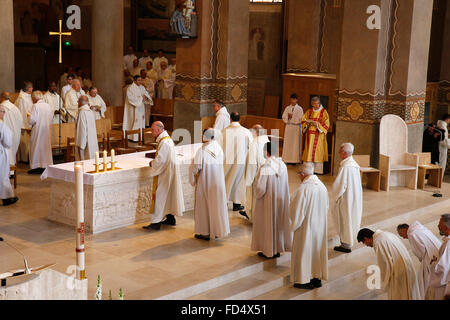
[(348, 280), (265, 279)]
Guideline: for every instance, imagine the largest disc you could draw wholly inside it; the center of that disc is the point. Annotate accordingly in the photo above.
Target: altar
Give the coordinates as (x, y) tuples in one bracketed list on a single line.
[(113, 199)]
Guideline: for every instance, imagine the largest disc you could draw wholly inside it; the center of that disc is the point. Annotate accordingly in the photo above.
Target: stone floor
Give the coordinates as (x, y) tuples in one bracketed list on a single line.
[(149, 265)]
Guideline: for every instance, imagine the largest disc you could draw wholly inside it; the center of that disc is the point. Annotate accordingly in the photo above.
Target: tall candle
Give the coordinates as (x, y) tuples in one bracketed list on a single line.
[(79, 196), (105, 155), (97, 158), (113, 155)]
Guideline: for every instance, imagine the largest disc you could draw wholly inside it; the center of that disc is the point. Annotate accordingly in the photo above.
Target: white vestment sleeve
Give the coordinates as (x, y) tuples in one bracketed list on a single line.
[(6, 138), (33, 117), (161, 162), (286, 115), (261, 185), (196, 167), (417, 246), (297, 209), (81, 139)]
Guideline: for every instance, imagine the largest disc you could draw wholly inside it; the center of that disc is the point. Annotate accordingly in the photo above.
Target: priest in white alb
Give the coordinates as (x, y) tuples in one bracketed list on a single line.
[(41, 141), (166, 81), (71, 100), (25, 104), (206, 175), (235, 142), (97, 103), (67, 86), (398, 276), (271, 233), (167, 192), (292, 117), (13, 119), (134, 112), (222, 116), (6, 190), (256, 158), (425, 246), (308, 212), (54, 100), (347, 199), (86, 142), (440, 265)]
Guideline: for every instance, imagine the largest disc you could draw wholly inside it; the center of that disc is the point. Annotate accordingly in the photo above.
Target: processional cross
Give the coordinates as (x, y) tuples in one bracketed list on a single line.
[(60, 34)]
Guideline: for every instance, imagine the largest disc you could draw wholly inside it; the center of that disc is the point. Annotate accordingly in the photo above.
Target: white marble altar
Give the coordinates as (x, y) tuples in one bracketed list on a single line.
[(114, 199)]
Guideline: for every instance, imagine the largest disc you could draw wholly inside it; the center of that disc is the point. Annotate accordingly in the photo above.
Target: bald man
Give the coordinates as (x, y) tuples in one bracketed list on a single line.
[(6, 191), (167, 192), (13, 119)]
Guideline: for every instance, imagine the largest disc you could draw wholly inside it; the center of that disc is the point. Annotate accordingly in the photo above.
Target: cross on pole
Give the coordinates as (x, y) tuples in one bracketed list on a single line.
[(60, 34)]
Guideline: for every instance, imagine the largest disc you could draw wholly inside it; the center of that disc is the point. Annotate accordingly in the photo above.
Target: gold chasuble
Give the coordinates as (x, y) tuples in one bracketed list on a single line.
[(155, 180), (316, 146)]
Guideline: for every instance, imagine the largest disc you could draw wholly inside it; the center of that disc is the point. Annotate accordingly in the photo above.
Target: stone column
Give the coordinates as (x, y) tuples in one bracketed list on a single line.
[(215, 65), (7, 72), (382, 72), (314, 33), (444, 85), (107, 49)]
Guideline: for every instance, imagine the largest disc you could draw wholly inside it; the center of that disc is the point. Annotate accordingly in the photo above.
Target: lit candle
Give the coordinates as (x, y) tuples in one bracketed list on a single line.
[(79, 196)]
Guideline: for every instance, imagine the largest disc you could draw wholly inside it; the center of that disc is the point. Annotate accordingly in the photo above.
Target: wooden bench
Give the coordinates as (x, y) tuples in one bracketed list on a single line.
[(372, 175), (68, 131), (426, 167)]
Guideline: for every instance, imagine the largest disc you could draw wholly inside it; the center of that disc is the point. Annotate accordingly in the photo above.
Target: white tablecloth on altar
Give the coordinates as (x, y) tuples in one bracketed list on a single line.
[(65, 171)]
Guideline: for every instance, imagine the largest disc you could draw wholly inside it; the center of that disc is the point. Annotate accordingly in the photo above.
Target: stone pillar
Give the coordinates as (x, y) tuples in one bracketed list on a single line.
[(390, 73), (408, 61), (215, 65), (314, 33), (444, 84), (7, 72), (107, 49)]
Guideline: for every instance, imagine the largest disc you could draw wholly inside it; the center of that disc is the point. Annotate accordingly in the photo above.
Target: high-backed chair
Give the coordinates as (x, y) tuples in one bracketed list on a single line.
[(397, 166)]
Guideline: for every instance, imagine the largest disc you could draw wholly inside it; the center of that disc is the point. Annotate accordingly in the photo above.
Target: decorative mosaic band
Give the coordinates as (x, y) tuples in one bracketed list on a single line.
[(444, 91), (366, 109), (229, 92)]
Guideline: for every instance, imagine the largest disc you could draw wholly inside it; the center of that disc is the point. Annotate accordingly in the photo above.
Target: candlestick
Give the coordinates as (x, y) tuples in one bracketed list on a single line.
[(105, 163), (79, 195)]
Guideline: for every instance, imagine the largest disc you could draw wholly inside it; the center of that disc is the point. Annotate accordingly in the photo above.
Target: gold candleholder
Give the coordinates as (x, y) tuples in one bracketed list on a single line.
[(97, 168)]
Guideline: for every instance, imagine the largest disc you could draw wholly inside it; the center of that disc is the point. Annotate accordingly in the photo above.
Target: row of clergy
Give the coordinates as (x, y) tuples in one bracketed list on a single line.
[(131, 61), (18, 115), (281, 222), (40, 152)]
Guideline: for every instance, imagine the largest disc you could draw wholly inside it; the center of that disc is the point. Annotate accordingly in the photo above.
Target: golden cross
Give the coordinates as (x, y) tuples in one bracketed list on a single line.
[(60, 34)]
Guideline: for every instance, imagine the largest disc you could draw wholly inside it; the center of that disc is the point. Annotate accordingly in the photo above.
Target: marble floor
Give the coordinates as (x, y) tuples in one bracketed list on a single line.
[(148, 265)]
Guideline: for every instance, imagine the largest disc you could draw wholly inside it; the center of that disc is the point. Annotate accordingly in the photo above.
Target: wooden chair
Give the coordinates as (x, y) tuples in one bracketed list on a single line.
[(101, 141), (397, 166), (150, 142), (69, 154), (372, 175), (426, 167), (117, 141), (14, 169), (140, 147)]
